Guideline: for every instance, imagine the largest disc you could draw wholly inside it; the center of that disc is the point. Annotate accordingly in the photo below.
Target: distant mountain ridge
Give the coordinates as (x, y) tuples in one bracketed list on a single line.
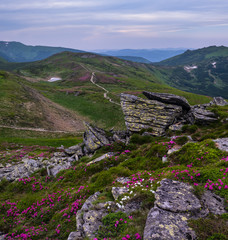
[(196, 56), (18, 52), (153, 55), (135, 59)]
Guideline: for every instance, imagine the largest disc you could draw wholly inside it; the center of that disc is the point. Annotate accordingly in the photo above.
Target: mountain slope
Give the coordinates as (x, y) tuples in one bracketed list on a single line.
[(24, 106), (18, 52), (196, 56)]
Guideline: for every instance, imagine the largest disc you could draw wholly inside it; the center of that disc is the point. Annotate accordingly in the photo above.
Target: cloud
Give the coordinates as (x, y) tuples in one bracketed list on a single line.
[(104, 20), (48, 4)]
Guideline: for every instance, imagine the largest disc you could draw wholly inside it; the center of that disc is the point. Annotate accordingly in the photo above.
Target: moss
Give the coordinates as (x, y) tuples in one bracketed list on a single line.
[(104, 197)]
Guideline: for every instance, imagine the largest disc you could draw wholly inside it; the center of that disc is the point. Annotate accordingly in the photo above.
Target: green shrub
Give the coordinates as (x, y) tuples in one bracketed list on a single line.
[(218, 236), (181, 140), (113, 225), (139, 139), (213, 227), (200, 154), (189, 128)]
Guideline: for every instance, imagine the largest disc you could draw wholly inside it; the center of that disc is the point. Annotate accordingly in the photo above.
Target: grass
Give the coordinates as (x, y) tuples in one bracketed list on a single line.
[(94, 106), (29, 138)]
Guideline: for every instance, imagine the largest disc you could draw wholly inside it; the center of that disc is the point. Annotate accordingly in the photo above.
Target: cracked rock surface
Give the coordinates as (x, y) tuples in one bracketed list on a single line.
[(176, 196), (175, 204)]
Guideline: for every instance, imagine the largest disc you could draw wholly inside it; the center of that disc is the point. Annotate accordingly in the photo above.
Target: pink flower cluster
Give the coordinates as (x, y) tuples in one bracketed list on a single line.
[(47, 206), (219, 185), (128, 237)]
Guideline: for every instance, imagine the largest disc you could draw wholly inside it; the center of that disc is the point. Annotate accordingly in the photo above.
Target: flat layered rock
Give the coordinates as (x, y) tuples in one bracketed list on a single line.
[(203, 116), (168, 98)]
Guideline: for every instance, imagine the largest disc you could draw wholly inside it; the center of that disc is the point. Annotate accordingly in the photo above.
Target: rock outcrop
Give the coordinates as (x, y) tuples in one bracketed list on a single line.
[(143, 114), (175, 204), (21, 170), (162, 111), (94, 138), (219, 101)]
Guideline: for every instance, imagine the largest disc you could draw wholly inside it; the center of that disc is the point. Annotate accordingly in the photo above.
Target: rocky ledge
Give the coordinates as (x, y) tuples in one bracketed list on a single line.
[(162, 111), (175, 204)]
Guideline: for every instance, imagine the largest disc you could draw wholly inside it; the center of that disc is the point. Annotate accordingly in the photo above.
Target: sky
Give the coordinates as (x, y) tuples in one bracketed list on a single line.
[(115, 24)]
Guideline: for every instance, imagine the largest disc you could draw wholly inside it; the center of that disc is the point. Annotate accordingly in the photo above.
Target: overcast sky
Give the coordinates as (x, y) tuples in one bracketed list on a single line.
[(115, 24)]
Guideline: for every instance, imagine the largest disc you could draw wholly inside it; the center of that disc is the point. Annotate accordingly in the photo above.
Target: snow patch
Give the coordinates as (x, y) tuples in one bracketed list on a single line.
[(214, 64), (189, 68), (54, 79)]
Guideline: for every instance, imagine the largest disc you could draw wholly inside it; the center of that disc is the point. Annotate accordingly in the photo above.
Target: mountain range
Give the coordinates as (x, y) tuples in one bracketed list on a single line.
[(151, 55), (18, 52)]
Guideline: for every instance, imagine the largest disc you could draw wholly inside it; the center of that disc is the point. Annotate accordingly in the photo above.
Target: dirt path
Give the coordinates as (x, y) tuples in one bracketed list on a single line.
[(33, 129), (104, 89)]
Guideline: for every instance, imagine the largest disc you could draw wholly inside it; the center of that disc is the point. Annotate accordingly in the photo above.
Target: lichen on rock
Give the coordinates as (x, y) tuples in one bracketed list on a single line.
[(142, 114)]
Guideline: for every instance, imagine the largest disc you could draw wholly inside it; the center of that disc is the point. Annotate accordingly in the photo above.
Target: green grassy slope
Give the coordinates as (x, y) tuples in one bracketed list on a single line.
[(22, 105), (13, 98), (206, 79), (196, 56)]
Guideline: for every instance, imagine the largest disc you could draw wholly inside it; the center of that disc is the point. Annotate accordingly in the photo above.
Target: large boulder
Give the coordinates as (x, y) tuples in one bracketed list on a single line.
[(176, 197), (143, 114), (164, 225), (94, 138), (175, 204), (169, 99), (213, 203)]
